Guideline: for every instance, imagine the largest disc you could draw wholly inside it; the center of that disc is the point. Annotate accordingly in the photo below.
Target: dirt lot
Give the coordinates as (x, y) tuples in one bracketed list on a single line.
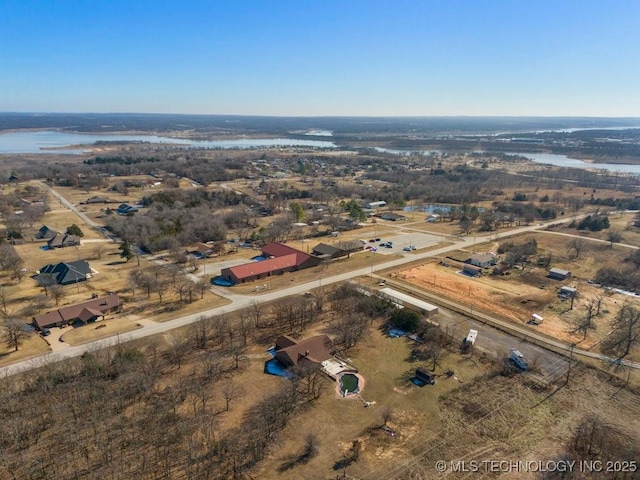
[(522, 293)]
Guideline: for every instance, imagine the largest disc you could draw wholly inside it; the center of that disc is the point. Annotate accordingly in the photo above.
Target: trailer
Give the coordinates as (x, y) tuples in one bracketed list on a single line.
[(471, 337), (518, 359), (536, 319)]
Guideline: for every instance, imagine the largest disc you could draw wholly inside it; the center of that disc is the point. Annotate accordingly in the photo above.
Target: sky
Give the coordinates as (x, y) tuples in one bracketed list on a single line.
[(322, 57)]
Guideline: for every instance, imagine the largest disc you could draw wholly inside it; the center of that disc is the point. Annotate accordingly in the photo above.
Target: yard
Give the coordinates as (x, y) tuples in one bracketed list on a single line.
[(337, 422)]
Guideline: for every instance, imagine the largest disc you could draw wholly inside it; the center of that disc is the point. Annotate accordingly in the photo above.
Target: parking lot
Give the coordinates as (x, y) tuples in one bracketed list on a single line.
[(401, 240)]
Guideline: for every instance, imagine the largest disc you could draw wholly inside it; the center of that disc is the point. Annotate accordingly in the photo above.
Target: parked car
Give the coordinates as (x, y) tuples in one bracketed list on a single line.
[(45, 332), (378, 240), (407, 249), (372, 240)]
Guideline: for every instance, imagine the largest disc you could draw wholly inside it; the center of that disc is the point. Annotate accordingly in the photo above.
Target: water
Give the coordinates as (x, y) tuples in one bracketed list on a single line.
[(349, 383), (564, 161), (260, 258), (42, 141), (405, 153)]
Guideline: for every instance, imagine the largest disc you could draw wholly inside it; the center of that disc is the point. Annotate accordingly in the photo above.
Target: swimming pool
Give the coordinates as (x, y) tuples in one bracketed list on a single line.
[(348, 383)]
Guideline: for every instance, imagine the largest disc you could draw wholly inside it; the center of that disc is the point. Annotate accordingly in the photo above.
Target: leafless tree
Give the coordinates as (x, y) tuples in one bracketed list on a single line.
[(13, 332), (386, 414), (577, 245), (625, 334), (200, 330), (585, 323), (257, 312), (57, 293), (614, 236), (46, 280), (98, 251), (230, 390)]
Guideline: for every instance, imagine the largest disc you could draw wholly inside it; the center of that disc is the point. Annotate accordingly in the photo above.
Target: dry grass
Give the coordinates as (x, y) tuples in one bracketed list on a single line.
[(517, 296), (109, 327), (33, 346), (382, 361)]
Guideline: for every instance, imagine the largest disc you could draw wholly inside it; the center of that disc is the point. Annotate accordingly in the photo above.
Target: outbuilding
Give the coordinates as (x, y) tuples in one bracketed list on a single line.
[(559, 274)]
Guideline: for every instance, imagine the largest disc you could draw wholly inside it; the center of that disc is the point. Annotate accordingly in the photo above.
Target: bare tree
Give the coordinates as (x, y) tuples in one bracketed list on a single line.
[(576, 245), (386, 414), (230, 390), (98, 251), (257, 312), (4, 299), (200, 330), (625, 334), (57, 292), (614, 236), (46, 280), (585, 323), (13, 332)]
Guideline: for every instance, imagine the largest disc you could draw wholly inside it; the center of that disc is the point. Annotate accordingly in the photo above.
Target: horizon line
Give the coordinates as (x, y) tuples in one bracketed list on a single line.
[(320, 116)]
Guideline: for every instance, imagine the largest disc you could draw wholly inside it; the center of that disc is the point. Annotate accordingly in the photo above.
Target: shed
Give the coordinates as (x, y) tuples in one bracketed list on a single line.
[(568, 292), (408, 301), (559, 274), (378, 204), (425, 376)]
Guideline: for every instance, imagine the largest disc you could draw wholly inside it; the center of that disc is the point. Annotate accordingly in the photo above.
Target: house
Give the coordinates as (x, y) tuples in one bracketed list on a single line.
[(63, 240), (312, 350), (472, 270), (85, 312), (125, 209), (378, 204), (325, 251), (200, 250), (392, 217), (67, 273), (280, 259), (483, 260), (559, 274), (45, 233)]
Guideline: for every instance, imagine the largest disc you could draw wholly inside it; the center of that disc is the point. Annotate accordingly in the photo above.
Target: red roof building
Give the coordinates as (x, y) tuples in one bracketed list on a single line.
[(315, 350), (85, 312), (283, 259)]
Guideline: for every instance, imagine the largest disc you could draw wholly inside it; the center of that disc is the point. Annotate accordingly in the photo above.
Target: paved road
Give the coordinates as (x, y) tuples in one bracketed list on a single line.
[(241, 301)]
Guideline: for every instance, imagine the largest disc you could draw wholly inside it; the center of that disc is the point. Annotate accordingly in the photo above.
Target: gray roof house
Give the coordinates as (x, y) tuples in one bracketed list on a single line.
[(45, 233), (63, 240), (65, 273)]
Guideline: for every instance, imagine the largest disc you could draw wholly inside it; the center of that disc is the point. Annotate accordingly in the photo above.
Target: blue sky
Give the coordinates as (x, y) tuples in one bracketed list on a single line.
[(422, 58)]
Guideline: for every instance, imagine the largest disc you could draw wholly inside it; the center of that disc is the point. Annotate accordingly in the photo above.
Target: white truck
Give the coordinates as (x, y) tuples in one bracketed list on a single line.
[(518, 359)]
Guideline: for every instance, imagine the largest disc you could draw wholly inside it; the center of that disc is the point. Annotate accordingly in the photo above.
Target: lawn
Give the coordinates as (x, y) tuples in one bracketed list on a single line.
[(336, 421)]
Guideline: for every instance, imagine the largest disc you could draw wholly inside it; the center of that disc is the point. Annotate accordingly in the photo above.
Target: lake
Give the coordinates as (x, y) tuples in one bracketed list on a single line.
[(42, 141), (564, 161)]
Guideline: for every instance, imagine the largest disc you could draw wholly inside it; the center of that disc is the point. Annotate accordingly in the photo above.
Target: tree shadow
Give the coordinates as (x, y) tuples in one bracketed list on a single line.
[(121, 262), (343, 463), (293, 461)]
